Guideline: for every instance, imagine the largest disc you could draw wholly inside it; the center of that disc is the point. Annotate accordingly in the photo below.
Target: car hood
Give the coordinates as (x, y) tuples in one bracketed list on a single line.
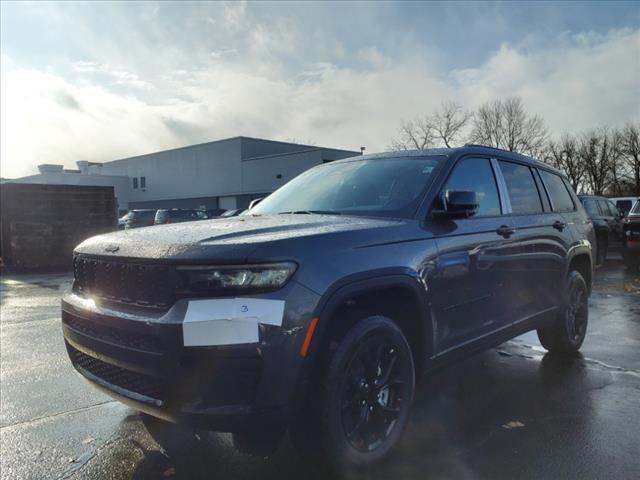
[(233, 239)]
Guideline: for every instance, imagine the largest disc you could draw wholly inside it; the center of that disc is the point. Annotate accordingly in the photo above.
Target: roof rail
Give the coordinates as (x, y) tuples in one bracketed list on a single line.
[(486, 146)]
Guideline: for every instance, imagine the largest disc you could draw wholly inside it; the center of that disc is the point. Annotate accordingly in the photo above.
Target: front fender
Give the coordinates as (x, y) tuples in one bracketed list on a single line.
[(368, 282)]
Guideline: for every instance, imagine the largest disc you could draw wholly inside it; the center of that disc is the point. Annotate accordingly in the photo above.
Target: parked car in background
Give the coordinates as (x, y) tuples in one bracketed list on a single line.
[(215, 212), (607, 221), (122, 221), (232, 213), (631, 237), (625, 203), (179, 215), (139, 218), (254, 202), (316, 311)]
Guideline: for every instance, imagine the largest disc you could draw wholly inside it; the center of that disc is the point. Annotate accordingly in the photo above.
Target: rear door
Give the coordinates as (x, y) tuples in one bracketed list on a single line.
[(473, 254), (541, 243), (613, 218)]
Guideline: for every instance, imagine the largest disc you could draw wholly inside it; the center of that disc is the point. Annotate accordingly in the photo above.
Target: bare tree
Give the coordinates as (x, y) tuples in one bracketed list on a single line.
[(449, 122), (563, 154), (487, 125), (597, 151), (613, 142), (505, 124), (444, 127), (414, 134), (630, 150)]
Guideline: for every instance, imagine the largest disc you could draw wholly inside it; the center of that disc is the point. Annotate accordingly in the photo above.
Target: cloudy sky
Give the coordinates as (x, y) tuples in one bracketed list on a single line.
[(100, 81)]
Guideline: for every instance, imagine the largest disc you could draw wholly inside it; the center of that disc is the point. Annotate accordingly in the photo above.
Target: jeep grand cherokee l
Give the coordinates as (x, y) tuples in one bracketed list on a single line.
[(316, 310)]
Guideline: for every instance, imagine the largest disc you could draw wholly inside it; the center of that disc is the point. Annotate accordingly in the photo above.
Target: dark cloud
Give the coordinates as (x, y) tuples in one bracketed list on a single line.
[(188, 132), (66, 100)]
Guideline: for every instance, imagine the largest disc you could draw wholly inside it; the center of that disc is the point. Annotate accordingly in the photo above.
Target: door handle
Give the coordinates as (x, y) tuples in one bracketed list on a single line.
[(505, 231), (558, 225)]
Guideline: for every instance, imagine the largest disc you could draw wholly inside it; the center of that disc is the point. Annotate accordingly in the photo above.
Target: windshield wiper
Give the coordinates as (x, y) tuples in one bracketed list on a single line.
[(311, 212)]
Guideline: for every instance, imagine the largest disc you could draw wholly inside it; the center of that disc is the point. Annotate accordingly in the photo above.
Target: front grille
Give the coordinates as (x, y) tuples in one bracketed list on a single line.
[(132, 283), (132, 381), (117, 336)]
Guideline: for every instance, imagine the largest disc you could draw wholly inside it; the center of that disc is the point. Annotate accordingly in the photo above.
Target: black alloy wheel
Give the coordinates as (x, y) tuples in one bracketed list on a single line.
[(577, 313), (377, 386), (567, 333)]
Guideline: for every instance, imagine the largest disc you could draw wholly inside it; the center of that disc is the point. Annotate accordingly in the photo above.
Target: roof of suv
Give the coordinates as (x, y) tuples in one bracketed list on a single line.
[(458, 151)]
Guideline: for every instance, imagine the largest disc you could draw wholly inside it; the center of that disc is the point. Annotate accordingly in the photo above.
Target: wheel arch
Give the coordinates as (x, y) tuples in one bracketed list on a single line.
[(399, 295), (581, 259)]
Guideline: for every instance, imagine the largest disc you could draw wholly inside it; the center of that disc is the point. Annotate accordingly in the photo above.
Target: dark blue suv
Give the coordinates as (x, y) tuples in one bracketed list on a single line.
[(316, 310)]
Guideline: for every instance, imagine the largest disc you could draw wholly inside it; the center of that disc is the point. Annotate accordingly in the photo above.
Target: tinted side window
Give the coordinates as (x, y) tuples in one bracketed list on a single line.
[(591, 206), (476, 175), (523, 192), (624, 205), (560, 198), (611, 208)]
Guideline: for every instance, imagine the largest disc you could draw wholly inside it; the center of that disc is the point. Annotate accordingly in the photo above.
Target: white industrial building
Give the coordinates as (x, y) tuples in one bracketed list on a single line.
[(224, 174)]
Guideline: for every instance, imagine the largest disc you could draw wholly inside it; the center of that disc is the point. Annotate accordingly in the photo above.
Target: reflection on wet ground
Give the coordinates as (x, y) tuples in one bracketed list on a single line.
[(511, 412)]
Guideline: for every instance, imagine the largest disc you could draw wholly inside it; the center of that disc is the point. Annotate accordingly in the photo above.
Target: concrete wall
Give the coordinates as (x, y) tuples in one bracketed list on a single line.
[(256, 147), (266, 174), (189, 172), (234, 167)]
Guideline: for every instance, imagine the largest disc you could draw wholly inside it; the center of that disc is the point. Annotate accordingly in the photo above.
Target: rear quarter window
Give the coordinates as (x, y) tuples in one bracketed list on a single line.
[(561, 200)]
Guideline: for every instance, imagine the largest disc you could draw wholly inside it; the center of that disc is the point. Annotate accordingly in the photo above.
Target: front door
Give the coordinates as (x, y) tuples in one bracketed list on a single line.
[(473, 256)]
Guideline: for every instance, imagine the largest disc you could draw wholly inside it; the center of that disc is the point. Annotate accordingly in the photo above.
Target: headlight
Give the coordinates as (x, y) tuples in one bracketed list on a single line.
[(237, 277)]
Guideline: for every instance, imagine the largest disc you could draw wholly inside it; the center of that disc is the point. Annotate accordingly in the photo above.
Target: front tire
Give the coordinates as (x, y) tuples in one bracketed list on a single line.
[(366, 394), (569, 329)]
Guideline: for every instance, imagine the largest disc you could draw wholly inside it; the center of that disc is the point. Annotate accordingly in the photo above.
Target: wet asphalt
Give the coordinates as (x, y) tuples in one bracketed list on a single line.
[(510, 412)]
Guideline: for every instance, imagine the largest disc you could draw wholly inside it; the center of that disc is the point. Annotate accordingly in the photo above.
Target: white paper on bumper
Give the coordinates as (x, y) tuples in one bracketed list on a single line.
[(229, 321)]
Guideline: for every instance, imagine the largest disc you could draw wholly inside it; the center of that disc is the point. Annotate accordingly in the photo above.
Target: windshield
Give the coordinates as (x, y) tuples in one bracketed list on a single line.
[(389, 187), (636, 209)]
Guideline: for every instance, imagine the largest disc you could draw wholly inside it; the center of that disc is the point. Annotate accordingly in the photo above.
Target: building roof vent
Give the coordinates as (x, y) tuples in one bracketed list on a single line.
[(49, 168)]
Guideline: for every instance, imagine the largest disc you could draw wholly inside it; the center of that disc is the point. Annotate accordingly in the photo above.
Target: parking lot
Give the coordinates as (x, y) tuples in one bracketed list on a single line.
[(511, 412)]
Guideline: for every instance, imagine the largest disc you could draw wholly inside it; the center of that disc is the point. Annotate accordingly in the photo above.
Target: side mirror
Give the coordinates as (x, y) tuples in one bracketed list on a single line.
[(458, 204)]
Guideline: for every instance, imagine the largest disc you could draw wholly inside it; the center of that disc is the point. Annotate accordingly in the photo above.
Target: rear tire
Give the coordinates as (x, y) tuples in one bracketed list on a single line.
[(602, 246), (364, 400), (568, 331)]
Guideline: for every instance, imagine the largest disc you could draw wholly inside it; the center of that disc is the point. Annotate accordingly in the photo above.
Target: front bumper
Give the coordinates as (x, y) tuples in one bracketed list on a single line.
[(138, 356)]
